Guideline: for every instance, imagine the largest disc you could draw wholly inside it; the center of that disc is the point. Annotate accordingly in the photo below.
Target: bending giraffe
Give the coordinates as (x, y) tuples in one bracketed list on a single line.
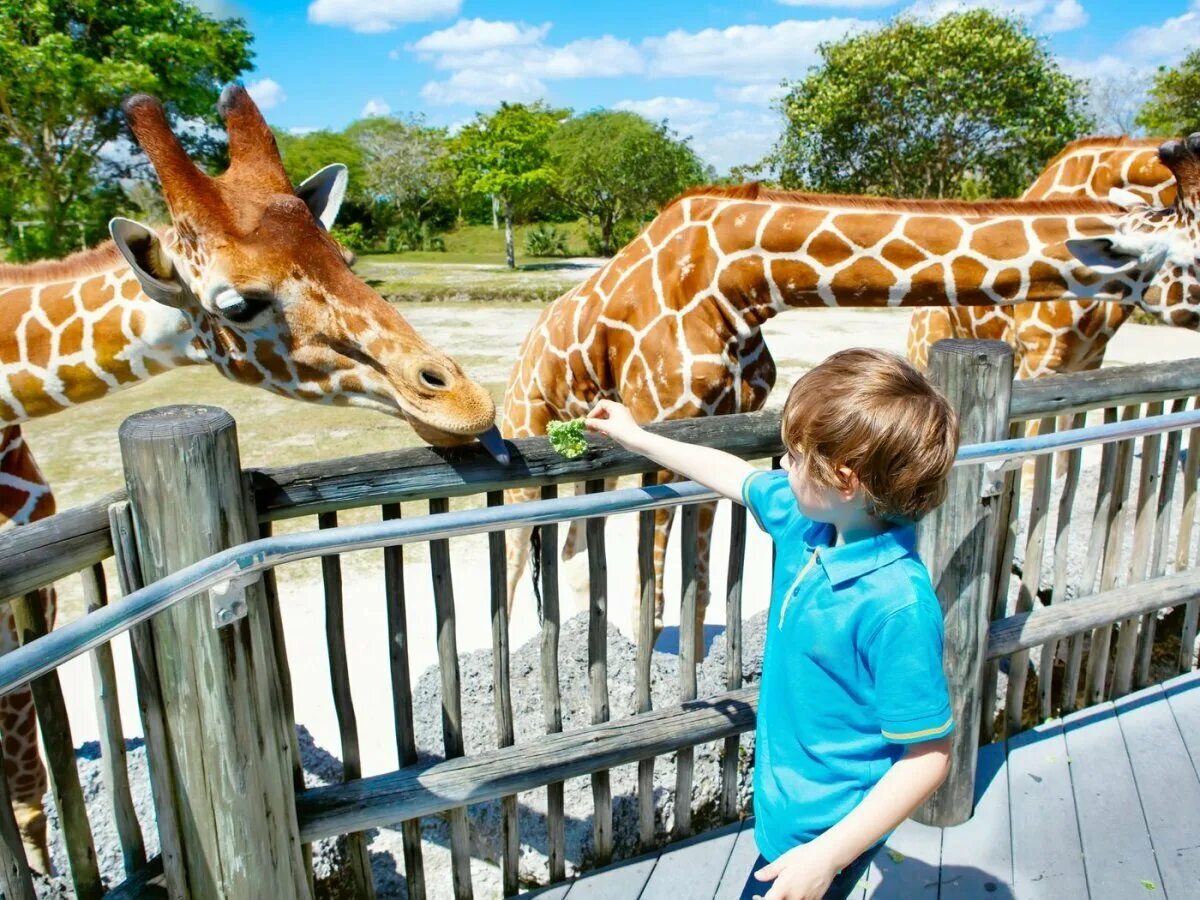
[(1069, 335), (247, 279), (671, 325)]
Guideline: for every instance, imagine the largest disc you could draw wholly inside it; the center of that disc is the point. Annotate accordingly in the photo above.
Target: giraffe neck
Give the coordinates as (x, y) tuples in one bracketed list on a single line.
[(69, 341), (762, 256)]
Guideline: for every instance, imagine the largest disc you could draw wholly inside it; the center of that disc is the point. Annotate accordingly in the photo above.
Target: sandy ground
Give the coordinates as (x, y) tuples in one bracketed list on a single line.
[(79, 453)]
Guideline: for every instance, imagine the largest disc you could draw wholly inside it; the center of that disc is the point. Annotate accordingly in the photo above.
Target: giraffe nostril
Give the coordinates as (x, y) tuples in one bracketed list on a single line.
[(432, 379)]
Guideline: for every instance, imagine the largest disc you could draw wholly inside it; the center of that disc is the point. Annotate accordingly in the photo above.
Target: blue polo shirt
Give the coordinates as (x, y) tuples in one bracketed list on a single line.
[(852, 668)]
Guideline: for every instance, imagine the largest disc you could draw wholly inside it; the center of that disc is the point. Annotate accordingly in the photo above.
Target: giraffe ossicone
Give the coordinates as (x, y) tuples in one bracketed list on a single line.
[(671, 325)]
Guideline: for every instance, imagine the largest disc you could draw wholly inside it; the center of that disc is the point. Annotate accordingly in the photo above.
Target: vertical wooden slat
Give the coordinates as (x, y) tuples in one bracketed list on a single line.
[(645, 649), (30, 620), (406, 744), (1096, 687), (1095, 552), (1162, 524), (502, 693), (114, 767), (1143, 541), (733, 653), (343, 703), (1183, 545), (688, 636), (1008, 511), (602, 837), (556, 836), (452, 735), (150, 704), (1073, 464), (16, 881), (1031, 580)]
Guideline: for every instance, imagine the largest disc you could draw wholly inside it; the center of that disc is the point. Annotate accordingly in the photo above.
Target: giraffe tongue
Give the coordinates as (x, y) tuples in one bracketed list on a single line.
[(494, 444)]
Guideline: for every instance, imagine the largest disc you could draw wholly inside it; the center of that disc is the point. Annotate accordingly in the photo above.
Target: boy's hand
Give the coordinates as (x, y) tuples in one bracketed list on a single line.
[(613, 420), (803, 873)]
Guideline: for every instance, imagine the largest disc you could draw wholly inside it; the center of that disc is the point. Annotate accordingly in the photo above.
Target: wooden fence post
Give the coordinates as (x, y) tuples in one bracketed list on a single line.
[(957, 543), (228, 763)]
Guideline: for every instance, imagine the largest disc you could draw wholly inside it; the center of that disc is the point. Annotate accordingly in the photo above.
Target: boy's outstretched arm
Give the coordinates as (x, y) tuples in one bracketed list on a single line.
[(715, 469)]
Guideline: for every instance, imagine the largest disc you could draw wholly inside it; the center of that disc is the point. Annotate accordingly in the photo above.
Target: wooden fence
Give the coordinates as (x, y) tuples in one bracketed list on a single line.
[(1118, 596)]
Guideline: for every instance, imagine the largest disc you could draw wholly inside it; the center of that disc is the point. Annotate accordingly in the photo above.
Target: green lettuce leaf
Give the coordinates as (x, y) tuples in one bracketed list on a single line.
[(567, 438)]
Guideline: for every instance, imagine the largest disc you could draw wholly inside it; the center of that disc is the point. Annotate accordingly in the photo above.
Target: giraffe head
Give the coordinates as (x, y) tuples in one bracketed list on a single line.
[(1154, 258), (249, 262)]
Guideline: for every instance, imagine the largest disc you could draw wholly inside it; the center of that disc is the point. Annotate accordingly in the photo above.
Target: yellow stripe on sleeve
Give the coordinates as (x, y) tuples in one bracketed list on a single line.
[(913, 735)]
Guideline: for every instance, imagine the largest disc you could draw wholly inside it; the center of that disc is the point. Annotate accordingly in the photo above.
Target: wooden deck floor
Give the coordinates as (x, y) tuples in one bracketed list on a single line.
[(1104, 803)]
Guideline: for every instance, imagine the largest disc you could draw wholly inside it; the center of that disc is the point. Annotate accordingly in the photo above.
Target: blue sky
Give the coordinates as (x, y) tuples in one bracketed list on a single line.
[(711, 69)]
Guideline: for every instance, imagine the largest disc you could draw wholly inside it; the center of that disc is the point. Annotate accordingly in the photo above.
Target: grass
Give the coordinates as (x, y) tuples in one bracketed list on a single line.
[(481, 245)]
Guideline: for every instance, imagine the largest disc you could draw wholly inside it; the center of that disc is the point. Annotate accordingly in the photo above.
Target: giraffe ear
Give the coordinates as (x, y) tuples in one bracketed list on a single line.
[(150, 263), (1101, 255), (324, 193)]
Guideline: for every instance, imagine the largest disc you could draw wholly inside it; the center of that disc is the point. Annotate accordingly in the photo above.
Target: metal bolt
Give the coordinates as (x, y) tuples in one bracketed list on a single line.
[(225, 616)]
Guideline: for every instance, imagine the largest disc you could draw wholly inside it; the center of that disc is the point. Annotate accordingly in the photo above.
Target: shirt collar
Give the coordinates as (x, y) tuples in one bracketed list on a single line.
[(849, 561)]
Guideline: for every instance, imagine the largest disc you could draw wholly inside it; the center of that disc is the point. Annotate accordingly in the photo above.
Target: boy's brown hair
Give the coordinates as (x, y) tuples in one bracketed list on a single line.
[(879, 417)]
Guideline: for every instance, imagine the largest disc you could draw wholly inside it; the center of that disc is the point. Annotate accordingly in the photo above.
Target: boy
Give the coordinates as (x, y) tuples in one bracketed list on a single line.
[(854, 717)]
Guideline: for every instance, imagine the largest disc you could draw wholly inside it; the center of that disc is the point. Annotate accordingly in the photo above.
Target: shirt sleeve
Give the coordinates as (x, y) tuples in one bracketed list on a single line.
[(911, 698), (769, 498)]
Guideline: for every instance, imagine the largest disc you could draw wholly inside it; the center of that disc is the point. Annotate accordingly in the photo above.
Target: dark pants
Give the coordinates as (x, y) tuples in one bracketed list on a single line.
[(840, 888)]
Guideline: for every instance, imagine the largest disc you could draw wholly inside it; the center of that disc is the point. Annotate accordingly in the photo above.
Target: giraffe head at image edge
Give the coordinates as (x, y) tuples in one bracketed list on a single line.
[(1157, 249), (273, 302)]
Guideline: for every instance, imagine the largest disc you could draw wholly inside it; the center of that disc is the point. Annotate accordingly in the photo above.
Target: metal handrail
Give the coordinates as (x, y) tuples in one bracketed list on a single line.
[(247, 560)]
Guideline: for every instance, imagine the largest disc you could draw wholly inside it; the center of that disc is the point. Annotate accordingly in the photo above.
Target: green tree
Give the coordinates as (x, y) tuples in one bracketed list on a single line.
[(304, 154), (1174, 104), (612, 167), (506, 155), (970, 105), (65, 66)]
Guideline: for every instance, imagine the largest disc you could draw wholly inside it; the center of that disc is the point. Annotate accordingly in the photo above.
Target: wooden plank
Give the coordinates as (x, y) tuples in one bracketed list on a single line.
[(740, 864), (42, 552), (1117, 855), (1187, 518), (1183, 696), (689, 633), (645, 649), (510, 845), (433, 788), (602, 835), (452, 736), (114, 767), (1073, 463), (977, 855), (402, 712), (1096, 687), (556, 839), (16, 880), (733, 653), (1167, 785), (1047, 855), (148, 883), (623, 879), (692, 868), (1055, 395), (909, 864), (1031, 582), (359, 860)]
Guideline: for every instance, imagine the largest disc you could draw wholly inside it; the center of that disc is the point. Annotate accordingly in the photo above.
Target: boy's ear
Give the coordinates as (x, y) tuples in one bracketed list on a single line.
[(849, 479)]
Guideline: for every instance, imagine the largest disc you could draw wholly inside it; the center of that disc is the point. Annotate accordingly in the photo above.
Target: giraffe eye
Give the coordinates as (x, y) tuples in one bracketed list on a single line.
[(241, 308)]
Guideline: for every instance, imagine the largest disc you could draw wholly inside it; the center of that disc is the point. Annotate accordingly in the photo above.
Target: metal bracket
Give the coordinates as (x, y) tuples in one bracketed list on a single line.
[(993, 475), (227, 600)]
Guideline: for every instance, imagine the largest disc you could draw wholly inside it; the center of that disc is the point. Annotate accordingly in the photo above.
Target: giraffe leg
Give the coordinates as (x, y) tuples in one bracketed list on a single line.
[(516, 550), (706, 515)]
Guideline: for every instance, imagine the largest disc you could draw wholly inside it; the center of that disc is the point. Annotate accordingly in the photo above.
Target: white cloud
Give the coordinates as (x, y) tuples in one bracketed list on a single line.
[(372, 16), (838, 4), (473, 87), (474, 35), (301, 130), (487, 58), (375, 107), (1066, 15), (679, 111), (747, 52), (935, 9), (1167, 42), (267, 93), (752, 94)]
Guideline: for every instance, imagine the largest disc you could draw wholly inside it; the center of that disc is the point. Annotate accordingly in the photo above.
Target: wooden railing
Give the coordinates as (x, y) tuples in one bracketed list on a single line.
[(75, 541)]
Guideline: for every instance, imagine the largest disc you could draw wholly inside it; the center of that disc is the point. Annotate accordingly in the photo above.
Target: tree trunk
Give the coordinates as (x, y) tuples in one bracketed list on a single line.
[(607, 226), (509, 254), (495, 212)]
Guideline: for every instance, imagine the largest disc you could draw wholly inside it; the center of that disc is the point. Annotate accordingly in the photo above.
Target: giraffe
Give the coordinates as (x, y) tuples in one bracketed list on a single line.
[(671, 325), (1069, 335), (247, 279)]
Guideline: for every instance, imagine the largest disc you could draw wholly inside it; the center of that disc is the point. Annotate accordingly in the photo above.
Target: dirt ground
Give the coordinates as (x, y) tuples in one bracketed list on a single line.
[(78, 451)]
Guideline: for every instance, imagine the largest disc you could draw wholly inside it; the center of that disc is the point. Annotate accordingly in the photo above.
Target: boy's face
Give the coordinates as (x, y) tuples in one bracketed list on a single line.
[(816, 500)]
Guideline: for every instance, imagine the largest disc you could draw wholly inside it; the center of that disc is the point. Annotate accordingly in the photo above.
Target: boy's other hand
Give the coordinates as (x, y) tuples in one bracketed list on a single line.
[(803, 873), (613, 420)]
